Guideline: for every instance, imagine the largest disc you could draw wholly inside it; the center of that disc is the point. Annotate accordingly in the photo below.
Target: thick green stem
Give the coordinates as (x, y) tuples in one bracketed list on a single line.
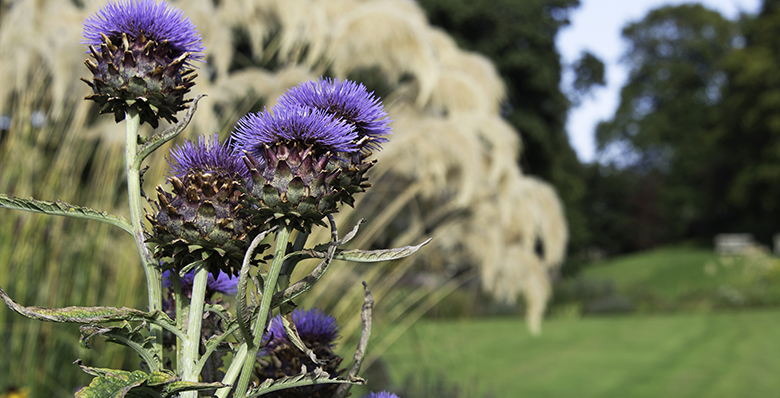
[(153, 275), (180, 306), (232, 373), (194, 322), (282, 237)]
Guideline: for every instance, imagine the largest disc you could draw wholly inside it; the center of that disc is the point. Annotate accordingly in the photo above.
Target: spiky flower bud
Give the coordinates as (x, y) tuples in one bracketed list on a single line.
[(353, 103), (203, 219), (142, 52), (280, 358), (310, 152), (347, 100), (289, 150)]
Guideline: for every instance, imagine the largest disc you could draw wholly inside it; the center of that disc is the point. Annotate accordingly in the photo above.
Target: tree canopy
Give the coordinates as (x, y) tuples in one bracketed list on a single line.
[(699, 118)]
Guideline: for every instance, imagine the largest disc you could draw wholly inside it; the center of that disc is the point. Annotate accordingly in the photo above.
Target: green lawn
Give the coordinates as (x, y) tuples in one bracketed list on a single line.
[(679, 355), (671, 272), (674, 279)]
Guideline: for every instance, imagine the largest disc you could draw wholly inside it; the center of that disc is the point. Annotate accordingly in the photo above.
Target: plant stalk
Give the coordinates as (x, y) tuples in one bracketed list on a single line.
[(179, 300), (232, 373), (282, 238), (153, 274), (194, 321)]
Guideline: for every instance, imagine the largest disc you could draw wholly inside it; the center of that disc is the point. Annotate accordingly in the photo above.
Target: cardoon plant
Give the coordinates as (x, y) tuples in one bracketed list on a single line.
[(285, 172)]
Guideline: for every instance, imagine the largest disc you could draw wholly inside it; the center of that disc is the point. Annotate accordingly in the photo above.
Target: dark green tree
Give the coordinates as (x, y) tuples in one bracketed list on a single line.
[(665, 129), (588, 72), (749, 158)]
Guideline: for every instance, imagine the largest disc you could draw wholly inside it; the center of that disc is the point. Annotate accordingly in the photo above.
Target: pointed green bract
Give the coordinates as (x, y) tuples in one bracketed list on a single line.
[(292, 186), (139, 73)]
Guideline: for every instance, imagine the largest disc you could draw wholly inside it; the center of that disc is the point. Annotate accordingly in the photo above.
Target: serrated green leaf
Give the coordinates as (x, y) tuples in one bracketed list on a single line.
[(91, 315), (112, 383), (181, 386), (243, 310), (73, 314), (160, 378), (374, 256), (125, 335), (60, 208), (300, 380)]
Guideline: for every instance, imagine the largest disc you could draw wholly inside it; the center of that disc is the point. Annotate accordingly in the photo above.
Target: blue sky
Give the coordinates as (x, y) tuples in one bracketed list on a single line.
[(596, 27)]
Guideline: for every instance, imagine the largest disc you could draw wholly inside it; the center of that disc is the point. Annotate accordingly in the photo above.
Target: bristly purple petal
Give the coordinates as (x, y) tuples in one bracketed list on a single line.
[(224, 283), (158, 21), (348, 100), (207, 156), (383, 394), (295, 123), (314, 326)]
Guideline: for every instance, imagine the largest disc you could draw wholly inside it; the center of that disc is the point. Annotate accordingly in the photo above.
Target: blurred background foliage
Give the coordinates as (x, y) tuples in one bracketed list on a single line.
[(696, 128), (480, 160)]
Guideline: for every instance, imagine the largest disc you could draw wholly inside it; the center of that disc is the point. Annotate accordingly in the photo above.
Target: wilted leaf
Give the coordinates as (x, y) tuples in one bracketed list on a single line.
[(91, 315), (373, 256), (292, 334)]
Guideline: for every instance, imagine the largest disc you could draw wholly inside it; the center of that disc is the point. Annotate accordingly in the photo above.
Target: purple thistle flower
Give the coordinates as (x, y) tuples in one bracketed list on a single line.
[(157, 21), (314, 326), (383, 394), (347, 100), (223, 283), (207, 156), (295, 123)]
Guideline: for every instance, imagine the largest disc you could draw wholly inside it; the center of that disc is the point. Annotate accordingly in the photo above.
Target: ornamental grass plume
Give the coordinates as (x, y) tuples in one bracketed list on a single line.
[(142, 54), (318, 331), (203, 219)]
